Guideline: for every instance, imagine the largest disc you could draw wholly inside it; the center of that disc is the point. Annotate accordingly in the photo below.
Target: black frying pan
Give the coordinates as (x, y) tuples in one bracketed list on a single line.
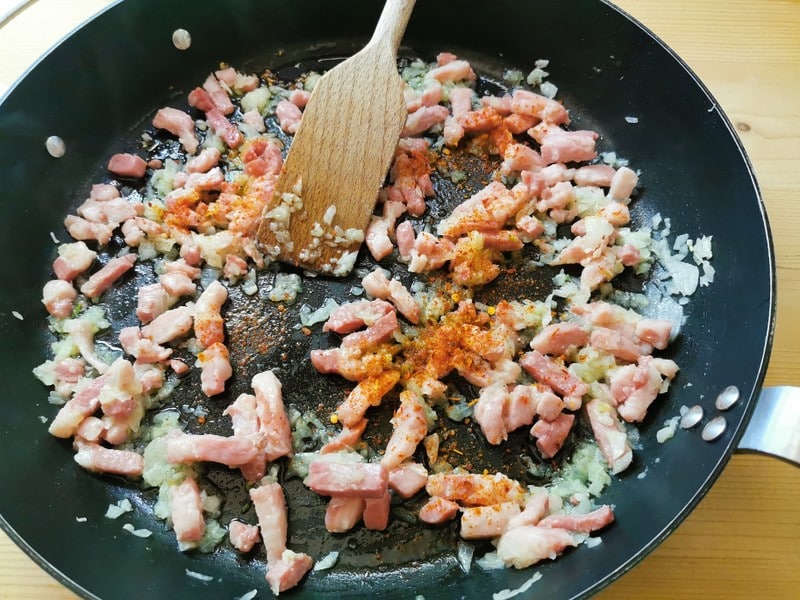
[(98, 90)]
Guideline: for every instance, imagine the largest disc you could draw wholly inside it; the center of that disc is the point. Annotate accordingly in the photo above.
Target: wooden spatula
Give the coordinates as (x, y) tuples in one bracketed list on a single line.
[(340, 155)]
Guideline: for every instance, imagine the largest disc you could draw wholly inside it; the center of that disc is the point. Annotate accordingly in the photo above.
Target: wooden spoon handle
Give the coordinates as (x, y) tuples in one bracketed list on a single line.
[(392, 24)]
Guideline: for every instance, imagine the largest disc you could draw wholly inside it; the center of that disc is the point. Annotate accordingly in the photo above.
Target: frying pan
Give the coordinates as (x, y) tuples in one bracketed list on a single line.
[(694, 170)]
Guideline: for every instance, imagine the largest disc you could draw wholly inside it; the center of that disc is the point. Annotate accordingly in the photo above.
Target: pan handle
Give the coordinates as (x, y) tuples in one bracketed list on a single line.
[(774, 427)]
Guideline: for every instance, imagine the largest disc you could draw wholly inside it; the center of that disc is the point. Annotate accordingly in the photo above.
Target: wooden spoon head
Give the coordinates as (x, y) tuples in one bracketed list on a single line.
[(337, 163)]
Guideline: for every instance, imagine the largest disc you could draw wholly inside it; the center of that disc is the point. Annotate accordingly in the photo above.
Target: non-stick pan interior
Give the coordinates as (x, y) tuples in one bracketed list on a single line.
[(98, 91)]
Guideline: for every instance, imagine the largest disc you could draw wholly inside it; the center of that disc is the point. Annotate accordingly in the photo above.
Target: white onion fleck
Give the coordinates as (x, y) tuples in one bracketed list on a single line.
[(142, 533), (327, 561), (55, 146), (181, 39), (198, 576), (464, 556)]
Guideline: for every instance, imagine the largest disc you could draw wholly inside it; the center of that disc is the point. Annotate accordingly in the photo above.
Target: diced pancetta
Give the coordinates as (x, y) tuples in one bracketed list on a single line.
[(180, 124), (285, 568), (381, 229), (484, 522), (365, 480), (99, 459), (594, 175), (635, 387), (438, 510), (289, 116), (621, 346), (270, 506), (520, 157), (423, 119), (546, 109), (454, 70), (536, 507), (557, 338), (378, 285), (153, 300), (127, 165), (186, 512), (215, 368), (141, 348), (474, 489), (274, 422), (58, 297), (376, 512), (231, 451), (218, 95), (83, 404), (408, 478), (82, 229), (480, 121), (73, 259), (170, 325), (580, 523), (287, 572), (410, 427), (490, 412), (369, 392), (561, 146), (524, 546), (355, 315), (546, 371), (81, 331), (610, 435), (103, 279), (550, 435), (655, 332), (243, 536), (347, 439), (216, 119), (208, 322), (203, 162), (380, 331), (623, 183), (343, 513), (489, 208)]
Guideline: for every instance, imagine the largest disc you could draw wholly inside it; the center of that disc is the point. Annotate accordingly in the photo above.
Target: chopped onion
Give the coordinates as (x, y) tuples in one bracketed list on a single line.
[(464, 556), (115, 511), (327, 561), (308, 318), (505, 594), (142, 533), (667, 432), (198, 576)]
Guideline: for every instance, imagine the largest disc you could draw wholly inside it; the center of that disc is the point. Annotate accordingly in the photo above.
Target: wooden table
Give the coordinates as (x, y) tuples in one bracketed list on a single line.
[(743, 540)]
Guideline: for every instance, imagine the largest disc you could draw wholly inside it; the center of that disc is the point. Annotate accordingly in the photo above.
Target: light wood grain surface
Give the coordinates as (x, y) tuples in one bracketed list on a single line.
[(743, 540)]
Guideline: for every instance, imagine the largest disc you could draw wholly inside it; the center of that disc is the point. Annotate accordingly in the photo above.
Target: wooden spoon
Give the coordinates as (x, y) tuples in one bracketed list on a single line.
[(337, 163)]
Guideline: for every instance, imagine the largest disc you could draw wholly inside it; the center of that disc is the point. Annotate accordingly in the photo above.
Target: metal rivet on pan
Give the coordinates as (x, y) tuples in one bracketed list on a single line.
[(55, 146), (181, 39), (691, 417), (727, 398), (714, 428)]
